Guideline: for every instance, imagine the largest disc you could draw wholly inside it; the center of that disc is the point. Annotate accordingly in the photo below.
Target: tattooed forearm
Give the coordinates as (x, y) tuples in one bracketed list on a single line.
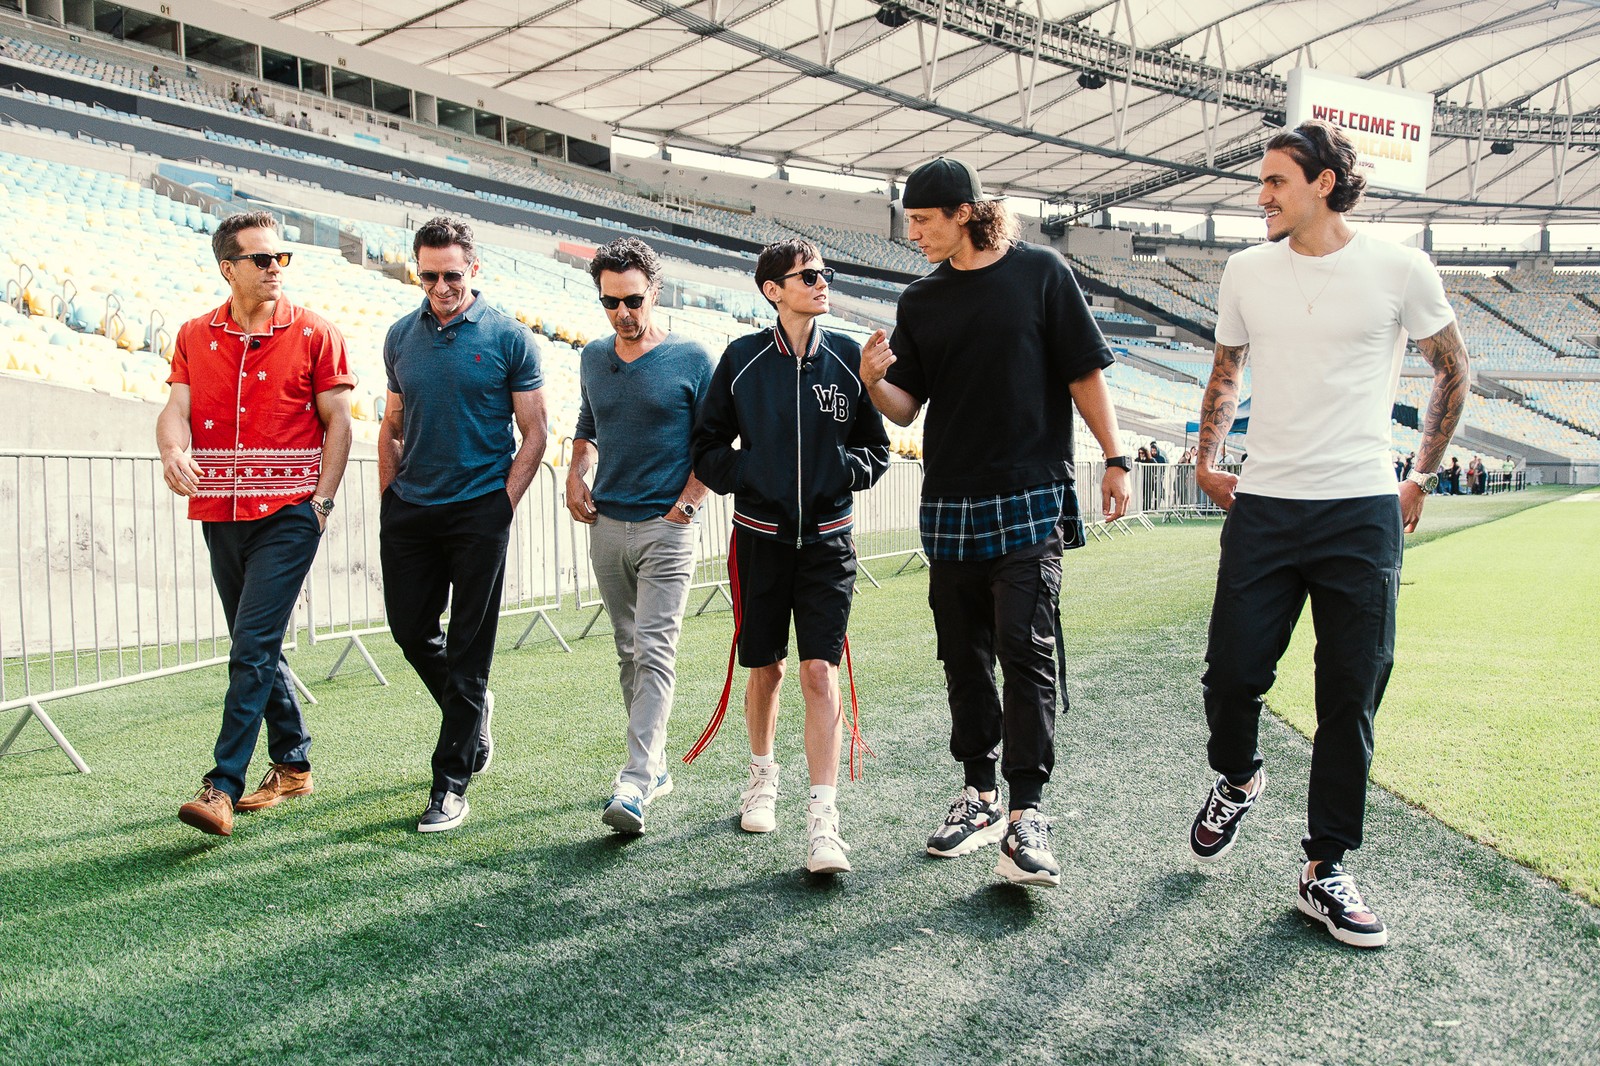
[(1221, 402), (1448, 357)]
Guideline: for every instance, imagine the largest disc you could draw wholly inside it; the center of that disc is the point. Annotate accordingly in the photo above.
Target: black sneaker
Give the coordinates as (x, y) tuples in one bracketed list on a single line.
[(1217, 824), (485, 738), (972, 823), (1334, 900), (446, 810), (1025, 857)]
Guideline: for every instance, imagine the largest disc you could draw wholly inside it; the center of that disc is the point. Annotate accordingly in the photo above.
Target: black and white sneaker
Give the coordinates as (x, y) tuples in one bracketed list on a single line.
[(1217, 825), (446, 810), (485, 737), (972, 823), (1025, 857), (1334, 900)]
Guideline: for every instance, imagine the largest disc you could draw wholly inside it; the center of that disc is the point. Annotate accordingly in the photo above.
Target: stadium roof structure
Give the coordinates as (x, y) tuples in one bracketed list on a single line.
[(1138, 103)]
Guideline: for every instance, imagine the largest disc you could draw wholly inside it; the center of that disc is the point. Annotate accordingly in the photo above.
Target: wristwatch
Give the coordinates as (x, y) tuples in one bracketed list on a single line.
[(1426, 482), (1118, 462), (325, 507), (688, 509)]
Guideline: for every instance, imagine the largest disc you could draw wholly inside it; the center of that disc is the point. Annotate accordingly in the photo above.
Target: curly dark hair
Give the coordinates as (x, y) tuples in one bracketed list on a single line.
[(778, 259), (1316, 146), (625, 254), (225, 241), (442, 232), (992, 225)]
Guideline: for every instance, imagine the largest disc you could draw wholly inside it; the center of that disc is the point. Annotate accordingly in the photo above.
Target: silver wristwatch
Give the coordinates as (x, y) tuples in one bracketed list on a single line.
[(1426, 482), (688, 509)]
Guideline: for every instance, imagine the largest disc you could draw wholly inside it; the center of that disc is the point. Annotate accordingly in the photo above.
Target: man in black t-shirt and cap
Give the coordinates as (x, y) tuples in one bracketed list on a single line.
[(999, 342)]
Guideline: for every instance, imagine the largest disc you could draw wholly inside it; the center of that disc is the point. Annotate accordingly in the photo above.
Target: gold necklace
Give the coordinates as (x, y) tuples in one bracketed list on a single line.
[(1295, 274)]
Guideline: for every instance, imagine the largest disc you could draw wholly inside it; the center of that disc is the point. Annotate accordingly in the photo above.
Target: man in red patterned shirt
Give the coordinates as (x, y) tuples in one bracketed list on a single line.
[(256, 434)]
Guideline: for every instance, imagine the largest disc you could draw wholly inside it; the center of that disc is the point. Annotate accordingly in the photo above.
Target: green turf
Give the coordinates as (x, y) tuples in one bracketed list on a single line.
[(328, 931), (1491, 721)]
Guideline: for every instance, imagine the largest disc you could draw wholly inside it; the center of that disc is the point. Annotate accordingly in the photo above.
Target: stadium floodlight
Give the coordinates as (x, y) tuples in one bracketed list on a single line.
[(1502, 148), (891, 17), (1089, 79)]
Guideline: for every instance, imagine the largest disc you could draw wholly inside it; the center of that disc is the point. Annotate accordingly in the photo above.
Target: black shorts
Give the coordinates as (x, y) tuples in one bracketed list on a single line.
[(814, 583)]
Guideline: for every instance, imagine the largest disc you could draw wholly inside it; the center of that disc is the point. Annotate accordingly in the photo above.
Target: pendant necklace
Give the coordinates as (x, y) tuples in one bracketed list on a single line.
[(1295, 274)]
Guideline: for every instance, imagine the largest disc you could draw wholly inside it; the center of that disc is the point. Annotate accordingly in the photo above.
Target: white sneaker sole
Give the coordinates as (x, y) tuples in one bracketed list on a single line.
[(663, 789), (840, 865), (1343, 936), (758, 822), (440, 827), (621, 819), (1018, 876), (989, 834)]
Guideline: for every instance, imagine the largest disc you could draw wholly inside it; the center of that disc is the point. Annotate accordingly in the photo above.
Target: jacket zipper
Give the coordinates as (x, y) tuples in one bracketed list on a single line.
[(799, 485)]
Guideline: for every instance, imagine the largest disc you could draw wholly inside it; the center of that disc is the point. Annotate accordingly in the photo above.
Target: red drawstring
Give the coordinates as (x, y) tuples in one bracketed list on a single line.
[(855, 715), (727, 686)]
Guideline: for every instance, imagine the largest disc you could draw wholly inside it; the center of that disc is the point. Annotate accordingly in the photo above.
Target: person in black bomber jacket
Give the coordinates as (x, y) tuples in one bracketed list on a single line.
[(808, 438)]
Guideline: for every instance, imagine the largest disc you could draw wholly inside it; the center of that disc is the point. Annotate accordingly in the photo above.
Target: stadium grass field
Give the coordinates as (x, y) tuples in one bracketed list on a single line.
[(328, 931)]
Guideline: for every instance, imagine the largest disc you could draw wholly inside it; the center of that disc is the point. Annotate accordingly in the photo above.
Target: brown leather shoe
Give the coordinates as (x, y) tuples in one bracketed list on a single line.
[(211, 811), (280, 783)]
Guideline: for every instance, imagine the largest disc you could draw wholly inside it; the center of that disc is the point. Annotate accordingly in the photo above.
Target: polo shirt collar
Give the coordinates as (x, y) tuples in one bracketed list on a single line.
[(471, 314), (283, 314)]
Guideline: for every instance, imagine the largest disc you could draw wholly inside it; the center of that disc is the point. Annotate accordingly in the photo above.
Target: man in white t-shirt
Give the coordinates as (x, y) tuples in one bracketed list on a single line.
[(1323, 312)]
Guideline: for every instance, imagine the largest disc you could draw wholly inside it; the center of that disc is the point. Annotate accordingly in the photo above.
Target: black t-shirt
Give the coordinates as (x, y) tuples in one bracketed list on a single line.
[(992, 352)]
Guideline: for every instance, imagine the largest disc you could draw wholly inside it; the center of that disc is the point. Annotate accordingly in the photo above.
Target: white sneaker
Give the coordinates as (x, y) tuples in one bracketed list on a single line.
[(825, 853), (758, 802)]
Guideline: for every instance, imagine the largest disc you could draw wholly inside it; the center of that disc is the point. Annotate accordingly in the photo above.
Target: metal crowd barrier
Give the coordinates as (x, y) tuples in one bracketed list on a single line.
[(103, 581)]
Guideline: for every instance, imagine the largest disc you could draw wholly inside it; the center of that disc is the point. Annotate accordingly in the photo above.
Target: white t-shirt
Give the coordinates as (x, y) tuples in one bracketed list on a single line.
[(1323, 382)]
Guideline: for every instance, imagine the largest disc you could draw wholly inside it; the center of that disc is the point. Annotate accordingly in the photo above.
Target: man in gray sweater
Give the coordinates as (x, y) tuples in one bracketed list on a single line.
[(641, 390)]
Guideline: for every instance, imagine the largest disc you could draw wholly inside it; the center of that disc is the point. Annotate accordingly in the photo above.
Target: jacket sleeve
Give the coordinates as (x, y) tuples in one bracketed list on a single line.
[(866, 449), (716, 462)]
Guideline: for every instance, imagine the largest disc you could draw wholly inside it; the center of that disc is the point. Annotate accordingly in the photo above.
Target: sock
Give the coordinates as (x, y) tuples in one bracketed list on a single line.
[(760, 760), (824, 794)]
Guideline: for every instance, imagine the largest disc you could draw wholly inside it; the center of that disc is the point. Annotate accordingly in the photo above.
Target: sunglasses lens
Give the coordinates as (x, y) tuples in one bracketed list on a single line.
[(635, 301), (431, 277)]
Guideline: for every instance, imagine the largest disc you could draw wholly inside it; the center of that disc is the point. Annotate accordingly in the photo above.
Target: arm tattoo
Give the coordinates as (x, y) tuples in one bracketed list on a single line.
[(1221, 401), (1448, 357)]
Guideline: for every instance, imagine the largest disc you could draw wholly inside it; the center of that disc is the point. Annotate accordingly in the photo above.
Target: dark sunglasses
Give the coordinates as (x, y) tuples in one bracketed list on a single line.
[(262, 260), (634, 302), (430, 278), (808, 277)]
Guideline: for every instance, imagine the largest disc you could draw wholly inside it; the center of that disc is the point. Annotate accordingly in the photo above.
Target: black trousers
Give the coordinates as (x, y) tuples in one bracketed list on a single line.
[(1003, 609), (451, 553), (1345, 555)]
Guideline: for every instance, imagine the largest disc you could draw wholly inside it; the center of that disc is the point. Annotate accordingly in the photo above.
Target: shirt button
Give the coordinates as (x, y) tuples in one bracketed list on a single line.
[(241, 410)]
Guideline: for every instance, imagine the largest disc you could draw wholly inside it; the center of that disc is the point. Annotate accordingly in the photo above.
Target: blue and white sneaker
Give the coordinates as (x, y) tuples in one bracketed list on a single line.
[(662, 787), (625, 810)]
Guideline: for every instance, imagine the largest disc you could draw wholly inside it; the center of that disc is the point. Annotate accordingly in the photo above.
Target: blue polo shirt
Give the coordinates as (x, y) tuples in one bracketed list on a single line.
[(456, 383)]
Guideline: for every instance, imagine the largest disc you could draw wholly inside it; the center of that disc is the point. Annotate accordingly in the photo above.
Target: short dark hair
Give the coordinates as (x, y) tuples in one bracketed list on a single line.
[(777, 259), (992, 224), (625, 254), (442, 232), (1316, 146), (225, 241)]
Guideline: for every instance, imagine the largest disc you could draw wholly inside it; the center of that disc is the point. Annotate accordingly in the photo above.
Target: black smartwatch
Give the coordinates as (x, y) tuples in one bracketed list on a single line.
[(1119, 462)]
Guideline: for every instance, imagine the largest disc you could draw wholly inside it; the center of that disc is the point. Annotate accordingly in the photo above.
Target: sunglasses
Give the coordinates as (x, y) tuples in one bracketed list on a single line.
[(262, 260), (808, 277), (634, 302), (430, 278)]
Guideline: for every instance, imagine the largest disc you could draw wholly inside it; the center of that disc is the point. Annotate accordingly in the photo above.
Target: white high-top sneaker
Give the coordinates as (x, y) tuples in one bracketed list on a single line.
[(758, 802), (825, 853)]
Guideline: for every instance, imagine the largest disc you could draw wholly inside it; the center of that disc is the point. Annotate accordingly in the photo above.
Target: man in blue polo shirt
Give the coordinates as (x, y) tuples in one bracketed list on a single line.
[(641, 389), (451, 472)]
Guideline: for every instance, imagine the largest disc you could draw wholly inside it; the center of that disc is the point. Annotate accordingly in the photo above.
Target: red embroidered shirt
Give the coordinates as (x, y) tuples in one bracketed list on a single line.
[(253, 420)]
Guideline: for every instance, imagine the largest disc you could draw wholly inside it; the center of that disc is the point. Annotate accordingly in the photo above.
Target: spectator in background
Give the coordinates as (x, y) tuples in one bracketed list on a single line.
[(1156, 454), (1143, 456), (157, 82), (1405, 469), (305, 120), (1475, 476), (1509, 470), (1454, 475)]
